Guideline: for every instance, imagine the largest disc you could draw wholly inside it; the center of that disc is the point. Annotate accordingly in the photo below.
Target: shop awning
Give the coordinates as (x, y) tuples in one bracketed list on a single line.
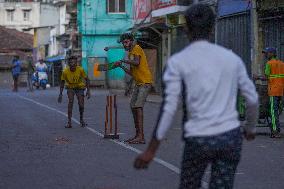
[(55, 58)]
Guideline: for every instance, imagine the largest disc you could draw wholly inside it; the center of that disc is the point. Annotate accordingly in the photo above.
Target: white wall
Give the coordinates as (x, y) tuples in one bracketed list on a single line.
[(49, 15), (53, 44), (64, 19), (41, 16), (18, 11)]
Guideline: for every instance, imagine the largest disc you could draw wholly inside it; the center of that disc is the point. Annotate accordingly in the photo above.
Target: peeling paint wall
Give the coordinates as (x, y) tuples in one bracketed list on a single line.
[(100, 29)]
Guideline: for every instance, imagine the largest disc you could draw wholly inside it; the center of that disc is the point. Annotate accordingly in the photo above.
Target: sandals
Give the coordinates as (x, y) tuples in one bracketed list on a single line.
[(130, 139), (68, 125), (83, 124), (136, 141)]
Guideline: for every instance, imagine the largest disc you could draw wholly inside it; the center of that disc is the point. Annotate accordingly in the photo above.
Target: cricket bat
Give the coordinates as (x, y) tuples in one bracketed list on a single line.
[(99, 68), (105, 67)]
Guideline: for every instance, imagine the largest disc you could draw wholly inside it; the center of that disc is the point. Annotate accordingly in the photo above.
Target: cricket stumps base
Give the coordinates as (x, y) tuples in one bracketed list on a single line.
[(111, 136), (111, 109)]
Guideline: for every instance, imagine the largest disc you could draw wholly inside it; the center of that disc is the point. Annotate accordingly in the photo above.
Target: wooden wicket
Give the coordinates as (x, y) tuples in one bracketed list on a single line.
[(111, 104)]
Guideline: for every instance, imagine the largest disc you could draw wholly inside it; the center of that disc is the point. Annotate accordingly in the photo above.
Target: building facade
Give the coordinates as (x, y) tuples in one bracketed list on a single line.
[(233, 29), (13, 43), (23, 14), (100, 25), (160, 25)]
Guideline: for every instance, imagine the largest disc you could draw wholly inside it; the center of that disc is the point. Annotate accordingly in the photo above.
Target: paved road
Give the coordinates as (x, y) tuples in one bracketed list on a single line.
[(36, 151)]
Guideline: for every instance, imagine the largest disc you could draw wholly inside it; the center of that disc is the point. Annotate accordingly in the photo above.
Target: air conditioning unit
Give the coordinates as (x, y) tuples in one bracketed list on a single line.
[(175, 20)]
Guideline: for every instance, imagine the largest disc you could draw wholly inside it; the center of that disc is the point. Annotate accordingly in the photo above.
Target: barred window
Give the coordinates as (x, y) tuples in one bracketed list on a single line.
[(26, 15), (10, 15), (116, 6)]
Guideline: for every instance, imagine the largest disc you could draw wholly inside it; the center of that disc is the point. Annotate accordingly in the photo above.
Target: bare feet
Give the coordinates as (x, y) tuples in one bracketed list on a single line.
[(130, 139), (137, 140)]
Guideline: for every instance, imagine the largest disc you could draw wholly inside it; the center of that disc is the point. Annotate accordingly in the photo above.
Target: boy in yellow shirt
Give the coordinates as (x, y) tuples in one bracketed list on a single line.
[(72, 77), (142, 76)]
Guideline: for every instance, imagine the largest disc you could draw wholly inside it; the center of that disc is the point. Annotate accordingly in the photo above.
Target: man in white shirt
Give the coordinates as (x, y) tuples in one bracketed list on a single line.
[(41, 66), (208, 77)]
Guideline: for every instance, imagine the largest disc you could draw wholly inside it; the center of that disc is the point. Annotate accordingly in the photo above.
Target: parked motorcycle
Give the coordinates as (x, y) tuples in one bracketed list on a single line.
[(40, 79)]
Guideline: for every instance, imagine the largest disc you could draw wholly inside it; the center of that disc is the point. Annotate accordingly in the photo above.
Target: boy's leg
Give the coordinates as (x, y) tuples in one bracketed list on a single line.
[(223, 173), (15, 77), (274, 113), (278, 112), (81, 101), (139, 137), (226, 159), (70, 94), (194, 164), (30, 82), (137, 104), (133, 110), (134, 115)]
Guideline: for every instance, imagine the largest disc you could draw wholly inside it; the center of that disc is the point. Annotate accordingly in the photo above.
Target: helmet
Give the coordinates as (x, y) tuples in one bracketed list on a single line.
[(72, 57)]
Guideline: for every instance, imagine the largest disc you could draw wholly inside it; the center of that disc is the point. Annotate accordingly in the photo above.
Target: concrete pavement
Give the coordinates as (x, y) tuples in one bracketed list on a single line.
[(38, 152)]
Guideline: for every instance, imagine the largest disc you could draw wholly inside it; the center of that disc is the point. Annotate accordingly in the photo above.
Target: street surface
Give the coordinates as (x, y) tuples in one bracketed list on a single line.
[(37, 152)]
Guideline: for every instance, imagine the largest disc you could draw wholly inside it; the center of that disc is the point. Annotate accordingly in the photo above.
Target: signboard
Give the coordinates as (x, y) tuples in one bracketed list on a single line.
[(227, 7), (175, 20), (158, 4), (142, 9)]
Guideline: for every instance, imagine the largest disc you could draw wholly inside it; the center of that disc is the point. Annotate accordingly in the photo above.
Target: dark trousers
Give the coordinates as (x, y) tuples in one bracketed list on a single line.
[(15, 79), (274, 112), (223, 152), (29, 82)]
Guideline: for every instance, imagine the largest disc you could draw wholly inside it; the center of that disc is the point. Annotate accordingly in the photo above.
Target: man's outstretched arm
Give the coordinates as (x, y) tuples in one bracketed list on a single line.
[(172, 90), (126, 70), (248, 90), (135, 61), (143, 160)]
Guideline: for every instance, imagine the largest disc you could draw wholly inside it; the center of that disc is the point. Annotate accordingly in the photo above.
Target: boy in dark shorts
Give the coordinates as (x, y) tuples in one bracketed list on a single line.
[(72, 77)]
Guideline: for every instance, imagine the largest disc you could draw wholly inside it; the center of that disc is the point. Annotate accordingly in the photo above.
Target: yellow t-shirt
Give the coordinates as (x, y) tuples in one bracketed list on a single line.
[(141, 73), (74, 80)]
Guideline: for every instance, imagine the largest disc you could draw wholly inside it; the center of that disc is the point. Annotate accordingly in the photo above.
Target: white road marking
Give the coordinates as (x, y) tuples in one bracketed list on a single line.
[(157, 160), (237, 173)]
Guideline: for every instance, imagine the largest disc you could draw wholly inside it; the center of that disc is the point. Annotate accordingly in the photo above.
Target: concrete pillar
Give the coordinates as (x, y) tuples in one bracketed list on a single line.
[(169, 43), (255, 42)]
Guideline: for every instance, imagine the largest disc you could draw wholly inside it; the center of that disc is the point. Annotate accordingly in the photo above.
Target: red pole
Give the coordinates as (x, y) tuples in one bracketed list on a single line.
[(115, 109), (106, 122), (110, 105)]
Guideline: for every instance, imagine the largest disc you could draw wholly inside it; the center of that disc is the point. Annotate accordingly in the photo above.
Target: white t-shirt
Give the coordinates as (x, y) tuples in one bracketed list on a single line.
[(208, 77), (41, 67)]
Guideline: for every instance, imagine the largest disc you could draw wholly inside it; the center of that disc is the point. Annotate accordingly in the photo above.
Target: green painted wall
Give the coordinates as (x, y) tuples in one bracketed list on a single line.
[(114, 55), (100, 29)]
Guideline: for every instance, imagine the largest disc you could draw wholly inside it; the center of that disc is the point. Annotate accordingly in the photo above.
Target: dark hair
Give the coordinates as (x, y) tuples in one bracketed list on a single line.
[(72, 57), (200, 20), (126, 36)]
